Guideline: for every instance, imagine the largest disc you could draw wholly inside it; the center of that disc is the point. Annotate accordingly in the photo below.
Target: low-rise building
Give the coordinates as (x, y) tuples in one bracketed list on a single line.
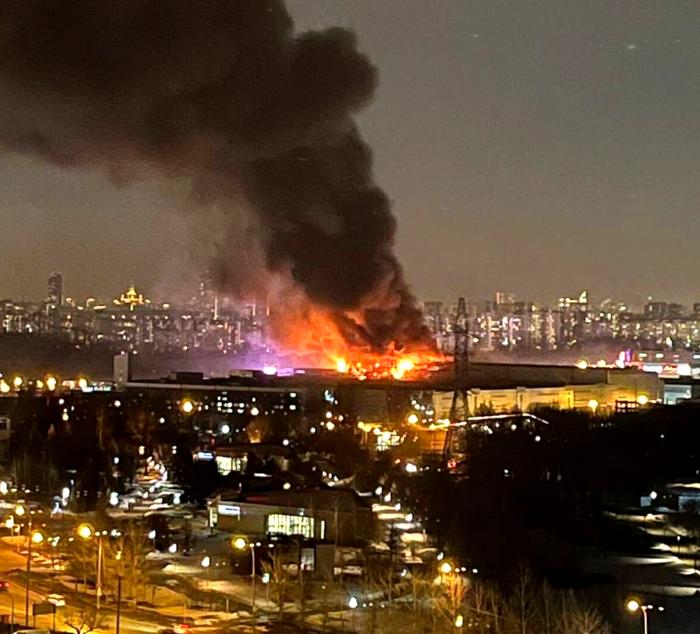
[(338, 516)]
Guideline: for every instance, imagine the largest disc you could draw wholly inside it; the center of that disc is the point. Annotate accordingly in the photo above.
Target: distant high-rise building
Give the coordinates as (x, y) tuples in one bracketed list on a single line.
[(504, 298), (675, 311), (55, 296), (573, 314), (655, 310)]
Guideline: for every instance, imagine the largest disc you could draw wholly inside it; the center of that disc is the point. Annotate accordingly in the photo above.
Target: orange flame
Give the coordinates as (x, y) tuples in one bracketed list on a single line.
[(315, 339)]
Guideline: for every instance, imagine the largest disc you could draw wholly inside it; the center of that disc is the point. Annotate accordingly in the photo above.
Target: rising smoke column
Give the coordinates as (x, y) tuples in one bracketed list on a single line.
[(224, 94)]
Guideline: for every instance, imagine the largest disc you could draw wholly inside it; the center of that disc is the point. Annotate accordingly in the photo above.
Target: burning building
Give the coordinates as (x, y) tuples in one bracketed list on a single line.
[(257, 122)]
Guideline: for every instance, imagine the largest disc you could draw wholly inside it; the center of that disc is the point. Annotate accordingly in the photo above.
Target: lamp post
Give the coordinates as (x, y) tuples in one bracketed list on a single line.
[(33, 537), (119, 590), (240, 543), (634, 605), (87, 532), (152, 536), (206, 564), (455, 589), (353, 603)]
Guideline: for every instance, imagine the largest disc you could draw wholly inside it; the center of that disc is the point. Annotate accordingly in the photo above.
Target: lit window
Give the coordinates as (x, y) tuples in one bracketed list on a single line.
[(227, 464), (290, 525)]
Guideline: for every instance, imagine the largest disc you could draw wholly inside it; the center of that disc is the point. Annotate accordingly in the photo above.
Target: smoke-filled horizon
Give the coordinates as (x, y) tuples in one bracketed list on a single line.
[(256, 118)]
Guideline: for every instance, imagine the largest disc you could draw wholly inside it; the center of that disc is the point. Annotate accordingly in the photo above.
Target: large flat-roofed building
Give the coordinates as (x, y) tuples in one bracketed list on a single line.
[(505, 388), (300, 400)]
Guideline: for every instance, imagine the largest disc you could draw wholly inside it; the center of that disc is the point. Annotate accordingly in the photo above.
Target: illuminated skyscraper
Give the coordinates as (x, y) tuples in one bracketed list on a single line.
[(55, 296)]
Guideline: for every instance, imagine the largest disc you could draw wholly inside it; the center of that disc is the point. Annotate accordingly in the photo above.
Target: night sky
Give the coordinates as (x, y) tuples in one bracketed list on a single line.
[(537, 147)]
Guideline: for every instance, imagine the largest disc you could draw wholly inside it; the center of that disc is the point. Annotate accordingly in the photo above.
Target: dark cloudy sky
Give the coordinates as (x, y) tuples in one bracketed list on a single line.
[(539, 147)]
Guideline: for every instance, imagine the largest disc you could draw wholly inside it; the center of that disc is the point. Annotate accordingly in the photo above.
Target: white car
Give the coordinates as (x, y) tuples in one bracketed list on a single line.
[(56, 599)]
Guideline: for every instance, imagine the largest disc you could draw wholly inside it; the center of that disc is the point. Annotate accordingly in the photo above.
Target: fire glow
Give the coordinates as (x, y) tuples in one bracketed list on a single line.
[(316, 339), (398, 369)]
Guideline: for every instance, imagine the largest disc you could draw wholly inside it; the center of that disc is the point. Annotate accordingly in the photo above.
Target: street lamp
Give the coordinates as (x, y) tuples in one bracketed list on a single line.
[(241, 543), (206, 563), (445, 568), (33, 538), (86, 532), (152, 537), (634, 605), (118, 557)]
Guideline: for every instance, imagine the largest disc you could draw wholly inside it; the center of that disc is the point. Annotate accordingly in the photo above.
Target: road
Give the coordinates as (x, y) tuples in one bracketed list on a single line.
[(12, 569)]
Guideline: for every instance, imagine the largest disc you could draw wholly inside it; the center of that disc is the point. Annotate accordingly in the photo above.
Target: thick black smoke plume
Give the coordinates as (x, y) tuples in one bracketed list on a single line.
[(224, 94)]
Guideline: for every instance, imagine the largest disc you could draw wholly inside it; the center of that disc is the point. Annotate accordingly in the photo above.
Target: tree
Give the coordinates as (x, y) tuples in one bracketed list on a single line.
[(523, 599), (282, 586), (82, 562), (448, 603), (580, 618), (85, 621), (126, 557)]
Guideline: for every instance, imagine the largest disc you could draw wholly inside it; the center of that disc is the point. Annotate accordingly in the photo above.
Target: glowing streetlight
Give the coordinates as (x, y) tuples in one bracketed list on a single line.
[(20, 510), (445, 568), (4, 387), (87, 532), (37, 537), (459, 621), (241, 543), (412, 418), (51, 383), (593, 405), (643, 400), (633, 606), (206, 561), (187, 406), (353, 603), (82, 383), (17, 382), (33, 538), (254, 411), (172, 549)]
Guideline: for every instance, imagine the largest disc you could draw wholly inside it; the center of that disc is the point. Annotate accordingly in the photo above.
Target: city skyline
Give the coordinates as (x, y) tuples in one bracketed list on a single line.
[(187, 291), (538, 159)]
